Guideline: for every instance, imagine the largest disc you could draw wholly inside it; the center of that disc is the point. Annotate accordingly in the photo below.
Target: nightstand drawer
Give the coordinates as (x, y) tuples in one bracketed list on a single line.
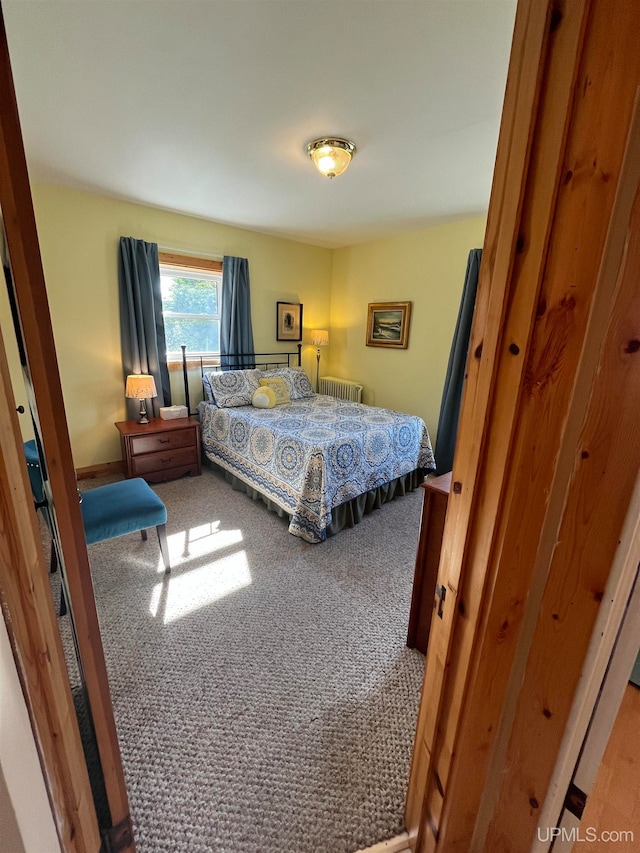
[(161, 441), (152, 462)]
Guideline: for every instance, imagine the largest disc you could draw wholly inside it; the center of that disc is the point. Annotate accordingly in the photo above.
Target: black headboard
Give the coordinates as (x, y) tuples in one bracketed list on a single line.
[(237, 361)]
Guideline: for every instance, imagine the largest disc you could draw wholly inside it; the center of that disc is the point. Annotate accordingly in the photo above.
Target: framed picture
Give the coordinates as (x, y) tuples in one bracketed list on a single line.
[(388, 324), (288, 321)]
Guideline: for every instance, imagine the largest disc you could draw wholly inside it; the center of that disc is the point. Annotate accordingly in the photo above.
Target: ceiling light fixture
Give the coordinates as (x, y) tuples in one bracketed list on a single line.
[(331, 155)]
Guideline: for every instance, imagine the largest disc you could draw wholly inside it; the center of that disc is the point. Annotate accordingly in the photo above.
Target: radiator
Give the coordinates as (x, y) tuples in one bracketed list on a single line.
[(344, 389)]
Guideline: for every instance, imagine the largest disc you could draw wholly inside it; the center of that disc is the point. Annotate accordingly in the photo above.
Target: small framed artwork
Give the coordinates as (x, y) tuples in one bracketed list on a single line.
[(388, 324), (288, 321)]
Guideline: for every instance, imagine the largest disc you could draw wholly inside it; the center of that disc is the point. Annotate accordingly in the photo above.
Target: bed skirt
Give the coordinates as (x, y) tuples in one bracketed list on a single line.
[(344, 515)]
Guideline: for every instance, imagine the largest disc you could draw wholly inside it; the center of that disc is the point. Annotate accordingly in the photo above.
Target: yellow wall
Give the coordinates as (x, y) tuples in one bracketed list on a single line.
[(79, 235), (426, 267)]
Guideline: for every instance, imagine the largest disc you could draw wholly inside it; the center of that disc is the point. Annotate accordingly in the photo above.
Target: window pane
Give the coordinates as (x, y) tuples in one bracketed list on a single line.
[(197, 295), (199, 335), (186, 295)]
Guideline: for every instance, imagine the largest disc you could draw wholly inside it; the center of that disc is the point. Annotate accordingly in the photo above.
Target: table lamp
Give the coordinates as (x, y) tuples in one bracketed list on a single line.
[(319, 338), (141, 386)]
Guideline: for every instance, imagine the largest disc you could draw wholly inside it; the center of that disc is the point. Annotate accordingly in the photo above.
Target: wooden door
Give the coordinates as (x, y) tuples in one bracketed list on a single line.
[(560, 834), (33, 326), (548, 433)]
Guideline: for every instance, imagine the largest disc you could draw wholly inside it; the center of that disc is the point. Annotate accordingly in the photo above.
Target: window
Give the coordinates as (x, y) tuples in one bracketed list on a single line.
[(191, 302)]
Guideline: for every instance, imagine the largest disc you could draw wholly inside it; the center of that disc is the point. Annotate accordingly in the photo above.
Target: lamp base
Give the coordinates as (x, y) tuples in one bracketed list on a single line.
[(143, 419)]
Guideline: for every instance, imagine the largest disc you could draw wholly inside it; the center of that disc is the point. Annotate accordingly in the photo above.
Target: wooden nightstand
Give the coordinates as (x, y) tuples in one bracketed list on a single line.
[(161, 450)]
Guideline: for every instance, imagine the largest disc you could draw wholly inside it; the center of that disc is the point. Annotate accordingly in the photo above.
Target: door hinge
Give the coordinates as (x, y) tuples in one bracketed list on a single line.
[(118, 838), (441, 593), (575, 801)]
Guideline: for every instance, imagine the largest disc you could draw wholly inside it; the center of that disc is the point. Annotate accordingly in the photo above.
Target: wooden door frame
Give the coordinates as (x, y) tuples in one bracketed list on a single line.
[(513, 251), (529, 467), (29, 623)]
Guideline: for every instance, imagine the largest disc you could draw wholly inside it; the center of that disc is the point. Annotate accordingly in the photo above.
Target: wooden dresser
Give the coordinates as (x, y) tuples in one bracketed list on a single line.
[(434, 510), (161, 450)]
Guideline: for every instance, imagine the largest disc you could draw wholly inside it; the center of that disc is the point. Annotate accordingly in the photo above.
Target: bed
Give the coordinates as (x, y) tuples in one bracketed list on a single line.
[(322, 461)]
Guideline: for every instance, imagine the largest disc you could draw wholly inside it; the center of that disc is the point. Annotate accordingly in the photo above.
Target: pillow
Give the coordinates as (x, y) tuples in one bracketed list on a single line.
[(296, 379), (264, 398), (279, 387), (232, 388)]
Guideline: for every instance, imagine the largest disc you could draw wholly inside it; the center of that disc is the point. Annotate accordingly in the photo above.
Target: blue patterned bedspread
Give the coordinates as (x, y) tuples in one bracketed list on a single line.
[(311, 455)]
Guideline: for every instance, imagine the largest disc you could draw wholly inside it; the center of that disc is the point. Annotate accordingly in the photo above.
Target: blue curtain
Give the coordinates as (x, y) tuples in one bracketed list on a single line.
[(236, 332), (454, 380), (141, 321)]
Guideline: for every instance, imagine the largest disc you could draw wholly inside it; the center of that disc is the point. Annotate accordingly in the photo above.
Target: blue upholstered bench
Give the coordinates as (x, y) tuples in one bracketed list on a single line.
[(127, 506)]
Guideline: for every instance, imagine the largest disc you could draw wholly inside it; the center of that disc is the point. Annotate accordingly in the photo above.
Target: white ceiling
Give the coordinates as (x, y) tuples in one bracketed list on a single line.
[(206, 107)]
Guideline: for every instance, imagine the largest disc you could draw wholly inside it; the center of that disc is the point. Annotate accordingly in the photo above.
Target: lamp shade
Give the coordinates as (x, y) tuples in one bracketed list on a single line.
[(319, 337), (140, 386), (331, 155)]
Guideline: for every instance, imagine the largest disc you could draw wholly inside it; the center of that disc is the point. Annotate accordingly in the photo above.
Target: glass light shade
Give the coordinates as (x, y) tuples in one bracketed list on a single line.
[(331, 161), (140, 386), (319, 338), (332, 155)]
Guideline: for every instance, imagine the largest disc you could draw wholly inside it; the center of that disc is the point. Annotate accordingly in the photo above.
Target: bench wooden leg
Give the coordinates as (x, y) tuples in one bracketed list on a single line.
[(143, 533), (164, 547)]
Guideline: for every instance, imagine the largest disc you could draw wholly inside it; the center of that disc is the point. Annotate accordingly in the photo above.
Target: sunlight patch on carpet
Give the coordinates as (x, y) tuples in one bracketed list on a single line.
[(178, 595), (200, 541)]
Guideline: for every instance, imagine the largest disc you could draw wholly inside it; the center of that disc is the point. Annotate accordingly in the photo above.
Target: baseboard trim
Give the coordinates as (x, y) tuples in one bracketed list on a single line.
[(398, 844), (100, 470)]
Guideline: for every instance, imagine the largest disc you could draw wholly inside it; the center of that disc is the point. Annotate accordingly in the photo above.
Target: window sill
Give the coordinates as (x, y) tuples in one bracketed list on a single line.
[(195, 361)]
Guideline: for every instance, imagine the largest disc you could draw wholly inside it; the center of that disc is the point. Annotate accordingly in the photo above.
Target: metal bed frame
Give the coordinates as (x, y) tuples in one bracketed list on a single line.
[(239, 361)]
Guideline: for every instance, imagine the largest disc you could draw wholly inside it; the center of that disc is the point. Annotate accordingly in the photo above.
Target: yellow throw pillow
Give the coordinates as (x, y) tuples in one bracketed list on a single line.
[(263, 398), (279, 386)]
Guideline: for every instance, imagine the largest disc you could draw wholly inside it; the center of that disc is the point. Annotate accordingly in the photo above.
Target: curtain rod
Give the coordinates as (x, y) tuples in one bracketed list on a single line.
[(190, 253)]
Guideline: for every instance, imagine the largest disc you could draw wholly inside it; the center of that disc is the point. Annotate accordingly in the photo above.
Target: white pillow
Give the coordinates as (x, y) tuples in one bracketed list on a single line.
[(264, 398)]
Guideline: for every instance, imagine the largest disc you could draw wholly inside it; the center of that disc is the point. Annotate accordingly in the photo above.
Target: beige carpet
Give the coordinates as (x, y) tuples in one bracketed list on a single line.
[(264, 697)]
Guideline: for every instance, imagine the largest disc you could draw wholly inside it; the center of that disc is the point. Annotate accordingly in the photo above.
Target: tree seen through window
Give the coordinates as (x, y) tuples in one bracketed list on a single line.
[(191, 309)]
